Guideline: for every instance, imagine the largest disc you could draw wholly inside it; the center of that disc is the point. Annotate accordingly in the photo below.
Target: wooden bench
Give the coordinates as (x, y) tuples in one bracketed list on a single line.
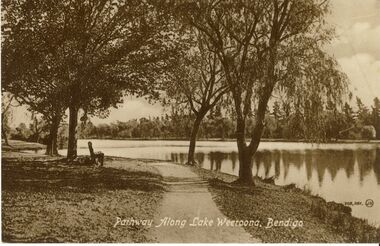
[(97, 158)]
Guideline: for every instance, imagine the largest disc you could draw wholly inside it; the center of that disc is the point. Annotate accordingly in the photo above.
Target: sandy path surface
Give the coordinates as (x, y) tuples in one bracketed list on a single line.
[(187, 199)]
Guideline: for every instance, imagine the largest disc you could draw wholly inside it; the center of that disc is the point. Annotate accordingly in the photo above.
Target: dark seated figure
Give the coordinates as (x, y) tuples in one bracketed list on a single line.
[(97, 158)]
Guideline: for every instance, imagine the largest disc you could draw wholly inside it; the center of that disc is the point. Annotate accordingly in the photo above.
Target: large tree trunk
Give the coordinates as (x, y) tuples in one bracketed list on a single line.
[(72, 142), (51, 148), (245, 166), (246, 153), (245, 156), (193, 139)]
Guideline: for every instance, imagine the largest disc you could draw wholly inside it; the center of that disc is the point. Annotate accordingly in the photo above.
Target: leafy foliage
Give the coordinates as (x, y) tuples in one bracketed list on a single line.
[(81, 50), (268, 48)]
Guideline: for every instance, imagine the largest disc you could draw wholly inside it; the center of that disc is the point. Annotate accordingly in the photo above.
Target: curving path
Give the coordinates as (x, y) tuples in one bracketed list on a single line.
[(188, 198)]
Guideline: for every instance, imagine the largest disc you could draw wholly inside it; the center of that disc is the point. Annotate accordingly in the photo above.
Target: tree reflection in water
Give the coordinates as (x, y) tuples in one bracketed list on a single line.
[(376, 166), (279, 162)]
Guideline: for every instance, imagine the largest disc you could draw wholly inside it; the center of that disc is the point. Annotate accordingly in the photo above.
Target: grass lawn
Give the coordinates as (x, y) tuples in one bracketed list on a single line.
[(54, 202), (322, 221)]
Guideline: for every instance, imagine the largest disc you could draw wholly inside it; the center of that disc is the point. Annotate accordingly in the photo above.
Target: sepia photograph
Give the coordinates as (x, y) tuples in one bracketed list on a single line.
[(190, 121)]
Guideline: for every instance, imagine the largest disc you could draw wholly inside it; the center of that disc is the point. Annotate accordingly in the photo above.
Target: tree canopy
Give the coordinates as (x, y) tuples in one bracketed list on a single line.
[(82, 54), (268, 48)]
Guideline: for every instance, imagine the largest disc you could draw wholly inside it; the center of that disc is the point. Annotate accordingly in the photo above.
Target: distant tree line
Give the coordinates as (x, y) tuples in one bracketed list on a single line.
[(281, 123)]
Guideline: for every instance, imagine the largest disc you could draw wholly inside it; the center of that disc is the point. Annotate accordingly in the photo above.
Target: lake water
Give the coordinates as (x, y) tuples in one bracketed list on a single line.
[(336, 172)]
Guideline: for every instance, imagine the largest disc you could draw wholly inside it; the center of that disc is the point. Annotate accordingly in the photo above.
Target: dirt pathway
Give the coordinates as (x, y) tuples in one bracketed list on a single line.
[(187, 199)]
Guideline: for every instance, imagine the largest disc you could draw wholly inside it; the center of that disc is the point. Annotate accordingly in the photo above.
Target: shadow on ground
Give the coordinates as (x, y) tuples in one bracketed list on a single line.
[(38, 175)]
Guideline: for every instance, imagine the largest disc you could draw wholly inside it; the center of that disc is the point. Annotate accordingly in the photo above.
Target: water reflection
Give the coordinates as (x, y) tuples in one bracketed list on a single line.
[(376, 166), (321, 161), (339, 175)]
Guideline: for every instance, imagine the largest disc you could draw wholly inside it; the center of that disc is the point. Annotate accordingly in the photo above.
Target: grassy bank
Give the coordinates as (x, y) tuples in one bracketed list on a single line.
[(54, 202), (17, 145), (322, 221)]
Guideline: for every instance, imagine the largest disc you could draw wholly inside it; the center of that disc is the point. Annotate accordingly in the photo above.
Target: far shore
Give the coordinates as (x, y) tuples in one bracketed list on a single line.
[(18, 145), (374, 141)]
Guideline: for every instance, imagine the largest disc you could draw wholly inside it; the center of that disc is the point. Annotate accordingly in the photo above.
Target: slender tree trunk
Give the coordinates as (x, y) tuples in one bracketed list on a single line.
[(51, 148), (72, 142), (36, 130), (4, 134), (5, 121), (193, 138)]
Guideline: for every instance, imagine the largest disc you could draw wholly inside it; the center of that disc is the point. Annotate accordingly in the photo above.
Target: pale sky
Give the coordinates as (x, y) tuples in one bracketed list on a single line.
[(357, 47), (357, 50)]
